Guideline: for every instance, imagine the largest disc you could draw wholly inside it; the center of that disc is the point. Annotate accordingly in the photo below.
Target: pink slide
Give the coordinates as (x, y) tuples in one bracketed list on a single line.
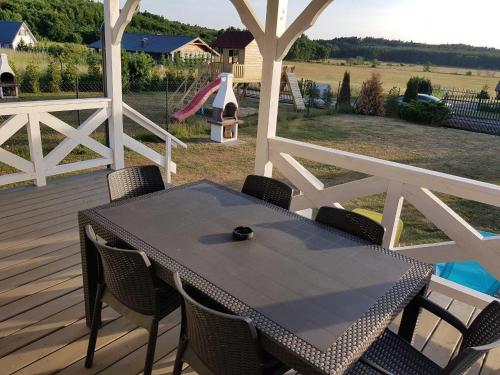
[(198, 100)]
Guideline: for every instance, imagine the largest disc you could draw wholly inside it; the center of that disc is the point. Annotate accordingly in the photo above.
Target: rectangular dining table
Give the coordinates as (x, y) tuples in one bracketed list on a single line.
[(319, 297)]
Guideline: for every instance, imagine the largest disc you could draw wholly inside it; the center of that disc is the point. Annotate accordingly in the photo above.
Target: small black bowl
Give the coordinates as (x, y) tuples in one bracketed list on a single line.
[(242, 233)]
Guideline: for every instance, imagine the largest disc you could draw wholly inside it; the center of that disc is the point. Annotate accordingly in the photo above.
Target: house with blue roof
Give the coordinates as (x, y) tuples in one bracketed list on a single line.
[(13, 32), (166, 45)]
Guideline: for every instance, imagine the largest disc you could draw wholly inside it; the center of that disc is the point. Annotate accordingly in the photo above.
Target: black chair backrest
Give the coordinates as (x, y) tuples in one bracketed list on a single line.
[(127, 275), (225, 344), (134, 181), (353, 223), (268, 190), (482, 336), (485, 329)]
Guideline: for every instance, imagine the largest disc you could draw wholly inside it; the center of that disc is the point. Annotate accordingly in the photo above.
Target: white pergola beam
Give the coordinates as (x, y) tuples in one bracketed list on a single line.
[(303, 22), (129, 10), (250, 20)]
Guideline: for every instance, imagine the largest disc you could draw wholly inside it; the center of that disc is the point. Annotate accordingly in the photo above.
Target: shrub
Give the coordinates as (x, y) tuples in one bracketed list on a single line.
[(392, 103), (328, 98), (344, 99), (427, 67), (468, 74), (311, 91), (93, 66), (53, 77), (30, 80), (411, 92), (69, 77), (483, 94), (139, 67), (429, 113), (415, 86), (371, 99)]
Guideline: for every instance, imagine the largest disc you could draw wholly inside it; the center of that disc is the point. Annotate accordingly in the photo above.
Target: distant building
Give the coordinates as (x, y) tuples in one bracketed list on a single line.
[(12, 32), (166, 45), (498, 90)]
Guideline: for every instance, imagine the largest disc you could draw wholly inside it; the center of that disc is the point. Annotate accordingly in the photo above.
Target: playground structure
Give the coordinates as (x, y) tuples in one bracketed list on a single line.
[(9, 89), (198, 100), (240, 56)]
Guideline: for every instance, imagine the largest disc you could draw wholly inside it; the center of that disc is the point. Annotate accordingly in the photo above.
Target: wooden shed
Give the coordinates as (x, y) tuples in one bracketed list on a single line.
[(240, 55)]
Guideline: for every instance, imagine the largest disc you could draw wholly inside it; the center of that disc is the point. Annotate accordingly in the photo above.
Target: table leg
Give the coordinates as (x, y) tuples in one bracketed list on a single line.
[(89, 271), (409, 319)]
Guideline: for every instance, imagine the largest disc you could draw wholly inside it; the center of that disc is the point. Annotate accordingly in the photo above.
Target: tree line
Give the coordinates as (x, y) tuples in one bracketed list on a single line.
[(414, 53)]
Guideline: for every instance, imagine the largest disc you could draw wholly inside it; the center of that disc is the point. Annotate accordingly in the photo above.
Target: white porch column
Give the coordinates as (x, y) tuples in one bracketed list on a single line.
[(114, 82), (270, 83)]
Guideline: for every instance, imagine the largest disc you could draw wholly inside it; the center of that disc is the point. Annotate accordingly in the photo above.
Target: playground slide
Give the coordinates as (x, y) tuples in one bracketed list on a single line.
[(198, 100)]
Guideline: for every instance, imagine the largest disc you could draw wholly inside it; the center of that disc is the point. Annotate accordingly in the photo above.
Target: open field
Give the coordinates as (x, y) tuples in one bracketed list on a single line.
[(396, 75)]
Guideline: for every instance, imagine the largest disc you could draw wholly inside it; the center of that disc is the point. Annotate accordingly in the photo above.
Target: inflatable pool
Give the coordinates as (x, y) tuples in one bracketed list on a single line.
[(470, 274)]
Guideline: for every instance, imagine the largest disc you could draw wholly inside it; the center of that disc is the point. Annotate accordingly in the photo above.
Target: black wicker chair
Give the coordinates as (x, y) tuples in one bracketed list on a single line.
[(269, 190), (134, 181), (126, 283), (217, 343), (391, 354), (353, 223)]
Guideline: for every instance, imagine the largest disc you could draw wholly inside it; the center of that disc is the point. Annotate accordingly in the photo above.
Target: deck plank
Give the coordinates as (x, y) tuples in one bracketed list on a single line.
[(445, 339), (42, 329), (107, 355), (37, 314)]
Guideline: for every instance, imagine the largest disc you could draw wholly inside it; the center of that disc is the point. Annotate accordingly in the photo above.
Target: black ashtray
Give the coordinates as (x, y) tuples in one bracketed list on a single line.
[(242, 233)]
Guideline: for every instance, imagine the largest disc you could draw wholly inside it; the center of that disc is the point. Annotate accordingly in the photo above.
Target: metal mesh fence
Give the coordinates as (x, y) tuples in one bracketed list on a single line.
[(473, 111)]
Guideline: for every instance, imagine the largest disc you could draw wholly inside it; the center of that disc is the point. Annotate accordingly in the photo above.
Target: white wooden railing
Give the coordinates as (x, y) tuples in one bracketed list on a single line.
[(39, 166), (399, 182), (165, 160)]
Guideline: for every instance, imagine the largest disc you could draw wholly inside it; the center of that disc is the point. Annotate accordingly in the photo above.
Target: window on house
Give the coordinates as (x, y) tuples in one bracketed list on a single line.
[(234, 56)]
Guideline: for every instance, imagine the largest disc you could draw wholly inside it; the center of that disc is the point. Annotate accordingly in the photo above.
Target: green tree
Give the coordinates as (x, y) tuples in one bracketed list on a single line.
[(411, 92), (344, 99), (30, 79), (140, 67), (417, 85), (94, 66), (54, 77), (22, 46), (69, 77)]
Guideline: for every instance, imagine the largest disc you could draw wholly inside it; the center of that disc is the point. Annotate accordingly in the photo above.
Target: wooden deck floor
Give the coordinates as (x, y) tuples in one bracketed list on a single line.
[(42, 326)]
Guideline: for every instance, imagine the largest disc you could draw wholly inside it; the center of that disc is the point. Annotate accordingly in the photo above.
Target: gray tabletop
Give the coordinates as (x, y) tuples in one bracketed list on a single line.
[(313, 283)]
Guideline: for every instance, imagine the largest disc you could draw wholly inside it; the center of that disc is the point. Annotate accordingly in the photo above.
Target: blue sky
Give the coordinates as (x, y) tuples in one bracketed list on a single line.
[(432, 21)]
